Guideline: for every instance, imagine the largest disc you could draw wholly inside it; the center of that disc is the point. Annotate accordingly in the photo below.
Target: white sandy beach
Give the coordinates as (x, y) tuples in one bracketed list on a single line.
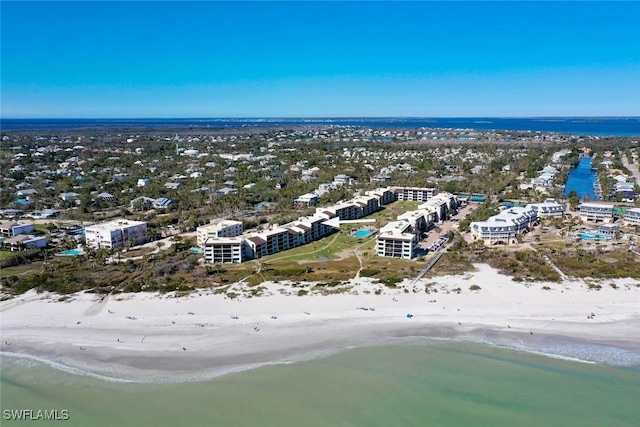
[(139, 336)]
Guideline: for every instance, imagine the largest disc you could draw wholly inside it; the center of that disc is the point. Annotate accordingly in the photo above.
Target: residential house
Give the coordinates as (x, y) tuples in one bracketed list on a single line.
[(11, 229), (161, 203), (309, 199), (107, 197), (69, 197), (342, 179), (173, 185), (141, 203), (24, 241), (226, 190)]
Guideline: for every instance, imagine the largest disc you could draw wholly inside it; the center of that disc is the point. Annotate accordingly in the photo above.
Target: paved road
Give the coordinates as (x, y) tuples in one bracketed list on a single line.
[(633, 167)]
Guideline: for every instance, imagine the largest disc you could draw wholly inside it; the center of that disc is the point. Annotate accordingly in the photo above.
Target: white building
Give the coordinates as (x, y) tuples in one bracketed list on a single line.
[(419, 220), (384, 195), (219, 229), (367, 204), (505, 226), (548, 208), (415, 194), (632, 217), (309, 199), (396, 240), (439, 206), (343, 179), (116, 233), (596, 212), (219, 250)]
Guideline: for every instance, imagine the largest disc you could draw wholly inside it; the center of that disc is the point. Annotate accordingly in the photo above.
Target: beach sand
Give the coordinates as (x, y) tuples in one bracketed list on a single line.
[(143, 336)]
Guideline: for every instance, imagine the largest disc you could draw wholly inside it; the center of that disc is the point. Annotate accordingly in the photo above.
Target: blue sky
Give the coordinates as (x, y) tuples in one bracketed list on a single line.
[(285, 59)]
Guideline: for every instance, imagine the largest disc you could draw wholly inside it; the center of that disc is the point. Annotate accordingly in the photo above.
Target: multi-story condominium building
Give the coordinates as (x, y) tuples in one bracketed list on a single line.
[(548, 208), (368, 204), (11, 229), (505, 226), (219, 244), (439, 206), (278, 239), (396, 240), (596, 212), (632, 217), (312, 228), (225, 250), (417, 219), (116, 233), (257, 245), (415, 194), (344, 211), (384, 195), (223, 228), (450, 199)]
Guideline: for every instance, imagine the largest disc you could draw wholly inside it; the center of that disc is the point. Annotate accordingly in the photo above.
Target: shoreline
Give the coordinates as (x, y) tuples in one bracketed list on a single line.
[(144, 337)]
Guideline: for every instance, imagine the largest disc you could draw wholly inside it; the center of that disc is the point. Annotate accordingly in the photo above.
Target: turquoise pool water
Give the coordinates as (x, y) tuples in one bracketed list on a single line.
[(195, 250), (71, 252), (592, 236), (362, 233)]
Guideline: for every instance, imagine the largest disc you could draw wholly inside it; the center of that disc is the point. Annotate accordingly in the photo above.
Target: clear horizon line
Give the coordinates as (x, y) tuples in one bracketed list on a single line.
[(319, 117)]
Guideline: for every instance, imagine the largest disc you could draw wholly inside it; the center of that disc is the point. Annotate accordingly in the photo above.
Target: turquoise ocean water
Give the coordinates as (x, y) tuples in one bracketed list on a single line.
[(409, 384)]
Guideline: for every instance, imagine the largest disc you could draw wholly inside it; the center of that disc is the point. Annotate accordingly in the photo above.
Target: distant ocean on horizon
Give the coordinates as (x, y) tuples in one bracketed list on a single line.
[(597, 126)]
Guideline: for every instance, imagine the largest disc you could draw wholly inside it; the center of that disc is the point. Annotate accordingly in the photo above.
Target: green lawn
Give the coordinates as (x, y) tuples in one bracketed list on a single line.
[(6, 254), (35, 267)]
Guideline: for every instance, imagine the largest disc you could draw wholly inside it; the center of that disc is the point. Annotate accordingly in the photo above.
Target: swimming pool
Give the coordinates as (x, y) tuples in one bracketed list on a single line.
[(592, 236), (71, 252), (362, 233), (195, 250)]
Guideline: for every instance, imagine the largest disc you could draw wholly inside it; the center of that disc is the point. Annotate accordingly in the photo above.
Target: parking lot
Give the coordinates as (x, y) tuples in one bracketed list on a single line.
[(437, 236)]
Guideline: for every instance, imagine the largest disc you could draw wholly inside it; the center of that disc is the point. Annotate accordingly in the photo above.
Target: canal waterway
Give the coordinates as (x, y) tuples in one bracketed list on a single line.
[(582, 179)]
